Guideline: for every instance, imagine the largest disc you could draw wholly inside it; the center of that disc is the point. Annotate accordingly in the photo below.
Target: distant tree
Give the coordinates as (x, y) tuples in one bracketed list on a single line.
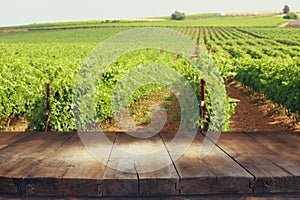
[(178, 15), (286, 9)]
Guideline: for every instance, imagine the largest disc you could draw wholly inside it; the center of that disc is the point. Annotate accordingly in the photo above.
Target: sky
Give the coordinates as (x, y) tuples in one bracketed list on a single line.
[(18, 12)]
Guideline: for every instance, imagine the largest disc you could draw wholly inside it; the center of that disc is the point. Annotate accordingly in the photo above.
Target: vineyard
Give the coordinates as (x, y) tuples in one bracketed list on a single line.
[(264, 59), (215, 21), (26, 67)]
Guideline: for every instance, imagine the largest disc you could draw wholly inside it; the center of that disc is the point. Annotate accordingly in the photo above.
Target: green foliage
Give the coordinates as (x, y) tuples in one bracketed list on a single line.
[(269, 64), (28, 61), (203, 16), (276, 78), (25, 71), (291, 15), (26, 68), (192, 16), (284, 36), (75, 36), (177, 15), (112, 74), (224, 21)]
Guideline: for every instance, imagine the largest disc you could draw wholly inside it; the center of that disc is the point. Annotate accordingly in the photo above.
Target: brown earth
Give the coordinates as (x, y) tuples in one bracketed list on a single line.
[(254, 114), (13, 31), (294, 24)]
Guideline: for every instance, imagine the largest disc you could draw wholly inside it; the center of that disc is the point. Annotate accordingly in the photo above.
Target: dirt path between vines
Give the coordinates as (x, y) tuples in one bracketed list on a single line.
[(294, 24), (254, 115)]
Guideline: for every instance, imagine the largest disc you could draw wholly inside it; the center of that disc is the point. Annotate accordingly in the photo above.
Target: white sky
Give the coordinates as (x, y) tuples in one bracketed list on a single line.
[(15, 12)]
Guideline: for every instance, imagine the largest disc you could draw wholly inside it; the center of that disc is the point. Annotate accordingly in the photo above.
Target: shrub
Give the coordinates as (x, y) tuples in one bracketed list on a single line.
[(178, 15), (291, 16)]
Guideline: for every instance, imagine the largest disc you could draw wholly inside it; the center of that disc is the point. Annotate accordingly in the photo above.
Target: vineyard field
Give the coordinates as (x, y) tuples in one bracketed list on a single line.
[(264, 59), (31, 60), (75, 36), (224, 21)]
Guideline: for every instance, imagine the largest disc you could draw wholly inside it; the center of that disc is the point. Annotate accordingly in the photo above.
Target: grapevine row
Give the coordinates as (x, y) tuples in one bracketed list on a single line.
[(265, 63)]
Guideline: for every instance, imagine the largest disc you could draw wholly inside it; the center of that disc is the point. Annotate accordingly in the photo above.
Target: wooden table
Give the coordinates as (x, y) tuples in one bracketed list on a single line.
[(41, 164)]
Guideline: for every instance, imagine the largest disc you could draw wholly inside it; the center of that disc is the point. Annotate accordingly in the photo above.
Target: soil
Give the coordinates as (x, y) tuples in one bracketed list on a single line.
[(255, 114), (160, 121), (294, 24), (13, 31)]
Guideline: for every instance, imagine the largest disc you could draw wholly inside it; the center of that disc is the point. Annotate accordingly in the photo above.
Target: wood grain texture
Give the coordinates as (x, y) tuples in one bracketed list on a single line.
[(156, 172), (22, 156), (9, 138), (272, 172), (144, 164), (287, 145), (71, 170), (60, 164), (116, 182), (215, 173)]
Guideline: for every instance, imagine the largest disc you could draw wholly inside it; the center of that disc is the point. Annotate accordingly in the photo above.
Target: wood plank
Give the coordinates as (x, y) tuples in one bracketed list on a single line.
[(40, 164), (7, 183), (10, 185), (273, 173), (285, 144), (214, 174), (116, 182), (156, 172), (20, 158), (9, 138), (6, 136), (29, 152), (71, 170), (270, 196)]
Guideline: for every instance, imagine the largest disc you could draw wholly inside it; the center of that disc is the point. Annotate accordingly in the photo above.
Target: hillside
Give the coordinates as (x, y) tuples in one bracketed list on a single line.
[(193, 20)]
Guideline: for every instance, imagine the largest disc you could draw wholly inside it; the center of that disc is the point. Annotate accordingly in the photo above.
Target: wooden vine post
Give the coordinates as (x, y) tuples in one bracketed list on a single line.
[(203, 105), (48, 108)]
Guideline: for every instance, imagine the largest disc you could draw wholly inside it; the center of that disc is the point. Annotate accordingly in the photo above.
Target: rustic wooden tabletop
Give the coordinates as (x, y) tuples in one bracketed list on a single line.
[(241, 164)]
